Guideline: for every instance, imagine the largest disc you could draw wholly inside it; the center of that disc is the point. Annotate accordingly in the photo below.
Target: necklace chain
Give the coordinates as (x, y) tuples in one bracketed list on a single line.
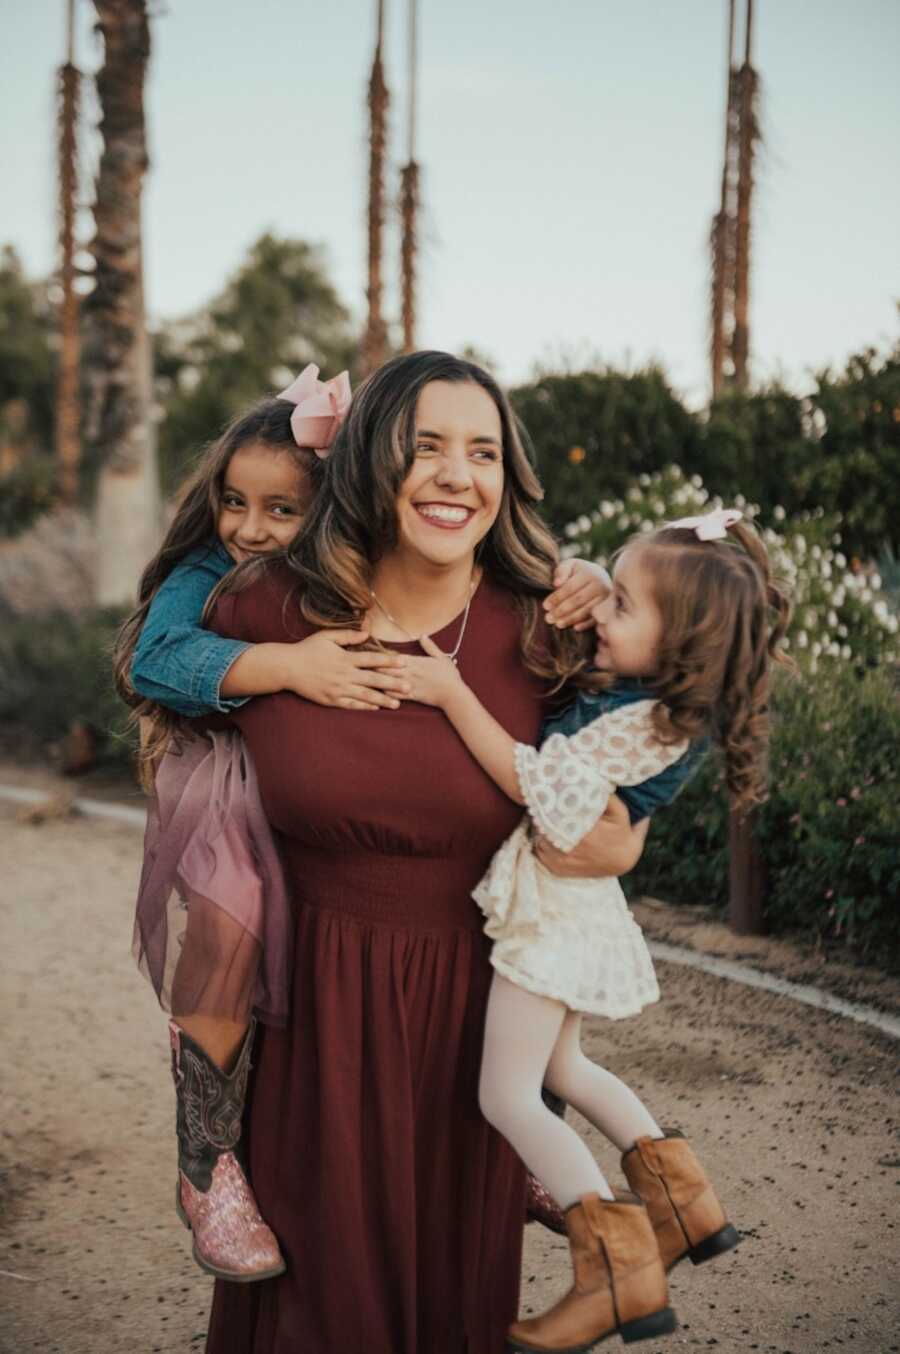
[(415, 638)]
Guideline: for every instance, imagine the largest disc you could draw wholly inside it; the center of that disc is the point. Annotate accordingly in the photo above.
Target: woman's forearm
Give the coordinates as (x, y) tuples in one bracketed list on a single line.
[(612, 847)]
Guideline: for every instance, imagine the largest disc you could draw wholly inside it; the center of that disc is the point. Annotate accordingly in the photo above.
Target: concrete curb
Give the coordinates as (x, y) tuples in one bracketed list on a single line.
[(669, 954)]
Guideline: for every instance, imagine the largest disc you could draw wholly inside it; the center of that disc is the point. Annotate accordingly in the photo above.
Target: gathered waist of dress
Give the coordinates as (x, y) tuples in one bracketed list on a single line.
[(417, 893)]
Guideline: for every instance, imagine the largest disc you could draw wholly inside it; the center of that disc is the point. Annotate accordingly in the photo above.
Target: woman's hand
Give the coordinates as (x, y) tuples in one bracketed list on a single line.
[(578, 586), (610, 849), (326, 668), (432, 680)]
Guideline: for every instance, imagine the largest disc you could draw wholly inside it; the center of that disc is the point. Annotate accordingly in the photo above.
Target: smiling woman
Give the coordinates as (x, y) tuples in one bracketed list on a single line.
[(398, 1209)]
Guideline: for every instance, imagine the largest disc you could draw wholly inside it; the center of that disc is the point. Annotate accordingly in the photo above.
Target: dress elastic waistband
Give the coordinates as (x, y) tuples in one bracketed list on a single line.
[(421, 893)]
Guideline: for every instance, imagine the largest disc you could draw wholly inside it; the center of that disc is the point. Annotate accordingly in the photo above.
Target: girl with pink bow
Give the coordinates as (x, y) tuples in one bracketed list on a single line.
[(213, 927)]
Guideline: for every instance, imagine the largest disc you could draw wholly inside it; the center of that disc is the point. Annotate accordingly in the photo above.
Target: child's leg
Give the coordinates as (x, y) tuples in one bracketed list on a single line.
[(220, 1039), (520, 1032), (604, 1100), (213, 983)]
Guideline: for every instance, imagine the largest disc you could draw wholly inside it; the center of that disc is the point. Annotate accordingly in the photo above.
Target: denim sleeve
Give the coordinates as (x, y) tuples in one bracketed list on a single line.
[(643, 800), (176, 662)]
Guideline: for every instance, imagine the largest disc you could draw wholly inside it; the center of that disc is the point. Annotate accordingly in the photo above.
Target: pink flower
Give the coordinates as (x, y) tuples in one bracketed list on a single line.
[(841, 803), (859, 841), (829, 893), (856, 792), (827, 727)]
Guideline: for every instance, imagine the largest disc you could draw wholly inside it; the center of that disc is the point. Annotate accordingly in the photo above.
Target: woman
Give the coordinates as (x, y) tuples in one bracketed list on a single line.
[(398, 1209)]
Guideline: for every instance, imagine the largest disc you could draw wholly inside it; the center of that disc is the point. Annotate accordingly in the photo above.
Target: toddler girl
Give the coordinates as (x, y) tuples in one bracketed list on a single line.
[(212, 931), (684, 643)]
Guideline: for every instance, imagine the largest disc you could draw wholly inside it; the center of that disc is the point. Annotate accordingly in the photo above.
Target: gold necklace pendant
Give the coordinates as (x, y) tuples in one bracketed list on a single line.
[(415, 639)]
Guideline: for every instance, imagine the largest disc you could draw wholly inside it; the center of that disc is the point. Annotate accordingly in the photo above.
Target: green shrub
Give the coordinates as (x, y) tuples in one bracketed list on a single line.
[(26, 493), (55, 671), (828, 831)]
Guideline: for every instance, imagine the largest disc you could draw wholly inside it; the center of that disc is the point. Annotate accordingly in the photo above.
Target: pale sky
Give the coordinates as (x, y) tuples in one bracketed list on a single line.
[(571, 155)]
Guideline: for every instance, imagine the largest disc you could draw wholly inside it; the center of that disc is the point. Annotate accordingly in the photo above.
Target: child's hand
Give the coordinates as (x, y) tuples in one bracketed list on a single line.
[(432, 680), (579, 586), (324, 670)]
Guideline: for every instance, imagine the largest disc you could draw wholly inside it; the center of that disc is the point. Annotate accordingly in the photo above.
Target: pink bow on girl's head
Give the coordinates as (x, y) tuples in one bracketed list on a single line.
[(712, 526), (321, 408)]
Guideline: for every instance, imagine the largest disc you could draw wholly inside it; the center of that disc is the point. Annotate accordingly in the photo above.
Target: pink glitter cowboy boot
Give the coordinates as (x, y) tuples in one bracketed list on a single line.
[(213, 1197), (540, 1206)]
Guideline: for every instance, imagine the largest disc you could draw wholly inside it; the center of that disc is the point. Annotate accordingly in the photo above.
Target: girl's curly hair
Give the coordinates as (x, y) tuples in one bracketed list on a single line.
[(724, 615)]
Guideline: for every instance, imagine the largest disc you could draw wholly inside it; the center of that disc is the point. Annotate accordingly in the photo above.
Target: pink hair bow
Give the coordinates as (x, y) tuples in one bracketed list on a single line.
[(321, 407), (712, 526)]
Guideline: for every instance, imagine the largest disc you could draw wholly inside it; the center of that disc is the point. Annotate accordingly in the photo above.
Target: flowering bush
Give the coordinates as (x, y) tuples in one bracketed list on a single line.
[(828, 831), (840, 610)]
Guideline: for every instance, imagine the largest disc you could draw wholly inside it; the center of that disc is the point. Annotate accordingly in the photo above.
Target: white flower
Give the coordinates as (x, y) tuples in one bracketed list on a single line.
[(646, 526), (675, 471), (811, 616), (802, 639), (800, 545), (584, 523), (658, 506), (839, 559), (875, 581), (623, 523), (814, 665), (606, 508), (893, 625), (816, 648), (832, 619), (842, 631), (644, 480), (834, 649), (778, 513), (633, 494), (866, 595), (839, 595), (880, 609), (696, 481), (845, 651), (826, 569), (571, 529), (816, 552)]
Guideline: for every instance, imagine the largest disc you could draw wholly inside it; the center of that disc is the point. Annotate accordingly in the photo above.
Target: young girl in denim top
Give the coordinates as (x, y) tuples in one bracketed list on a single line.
[(684, 644), (212, 931)]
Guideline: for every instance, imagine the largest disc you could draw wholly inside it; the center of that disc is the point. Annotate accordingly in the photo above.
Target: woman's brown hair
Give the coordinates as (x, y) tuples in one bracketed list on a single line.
[(724, 616), (353, 519)]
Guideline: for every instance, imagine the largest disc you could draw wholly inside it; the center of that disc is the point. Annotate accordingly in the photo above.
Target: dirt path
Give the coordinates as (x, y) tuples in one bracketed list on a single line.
[(795, 1112)]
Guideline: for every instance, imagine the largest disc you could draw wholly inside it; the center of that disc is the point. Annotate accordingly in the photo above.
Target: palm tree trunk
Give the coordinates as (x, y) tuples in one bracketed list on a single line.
[(409, 197), (375, 340), (68, 407), (117, 356), (748, 85), (721, 235)]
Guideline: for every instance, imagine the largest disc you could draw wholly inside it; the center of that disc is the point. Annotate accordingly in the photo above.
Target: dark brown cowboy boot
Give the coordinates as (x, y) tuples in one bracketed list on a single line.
[(686, 1215)]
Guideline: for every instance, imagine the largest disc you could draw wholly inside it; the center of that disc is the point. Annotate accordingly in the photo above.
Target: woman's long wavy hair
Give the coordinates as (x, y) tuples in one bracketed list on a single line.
[(724, 616), (352, 523), (195, 524)]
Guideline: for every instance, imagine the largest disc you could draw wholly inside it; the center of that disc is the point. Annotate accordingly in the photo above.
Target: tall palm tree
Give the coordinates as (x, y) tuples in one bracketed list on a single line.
[(68, 406), (117, 350), (722, 234), (409, 196), (375, 340), (730, 235), (748, 136)]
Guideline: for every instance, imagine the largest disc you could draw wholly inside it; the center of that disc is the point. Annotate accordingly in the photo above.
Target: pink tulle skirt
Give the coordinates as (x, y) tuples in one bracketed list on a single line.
[(213, 927)]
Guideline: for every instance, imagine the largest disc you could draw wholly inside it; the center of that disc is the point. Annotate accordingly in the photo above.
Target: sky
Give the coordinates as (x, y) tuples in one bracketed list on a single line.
[(571, 159)]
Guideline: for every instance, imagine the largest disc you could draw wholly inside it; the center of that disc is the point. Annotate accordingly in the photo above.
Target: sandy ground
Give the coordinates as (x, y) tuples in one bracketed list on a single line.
[(795, 1112)]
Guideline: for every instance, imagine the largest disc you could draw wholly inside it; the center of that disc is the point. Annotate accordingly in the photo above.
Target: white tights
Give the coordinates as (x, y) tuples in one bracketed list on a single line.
[(530, 1041)]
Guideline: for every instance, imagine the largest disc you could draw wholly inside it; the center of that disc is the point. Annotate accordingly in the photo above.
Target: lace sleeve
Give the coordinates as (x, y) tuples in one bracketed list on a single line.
[(567, 784)]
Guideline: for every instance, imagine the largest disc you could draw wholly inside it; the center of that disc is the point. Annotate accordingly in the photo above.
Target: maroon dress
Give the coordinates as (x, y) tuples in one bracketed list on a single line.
[(398, 1208)]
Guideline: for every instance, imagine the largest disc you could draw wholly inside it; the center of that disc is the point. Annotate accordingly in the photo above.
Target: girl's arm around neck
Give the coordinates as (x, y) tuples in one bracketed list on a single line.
[(488, 741)]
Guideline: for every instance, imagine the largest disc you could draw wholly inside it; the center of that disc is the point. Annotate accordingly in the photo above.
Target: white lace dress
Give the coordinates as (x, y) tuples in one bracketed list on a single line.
[(574, 939)]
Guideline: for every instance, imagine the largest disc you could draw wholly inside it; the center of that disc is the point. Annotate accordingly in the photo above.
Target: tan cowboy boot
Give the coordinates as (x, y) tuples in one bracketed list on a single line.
[(686, 1215), (213, 1197), (619, 1283)]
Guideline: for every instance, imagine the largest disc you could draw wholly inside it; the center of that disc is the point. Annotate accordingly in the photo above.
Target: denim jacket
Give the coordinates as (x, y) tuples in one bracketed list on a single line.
[(642, 800), (176, 662)]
